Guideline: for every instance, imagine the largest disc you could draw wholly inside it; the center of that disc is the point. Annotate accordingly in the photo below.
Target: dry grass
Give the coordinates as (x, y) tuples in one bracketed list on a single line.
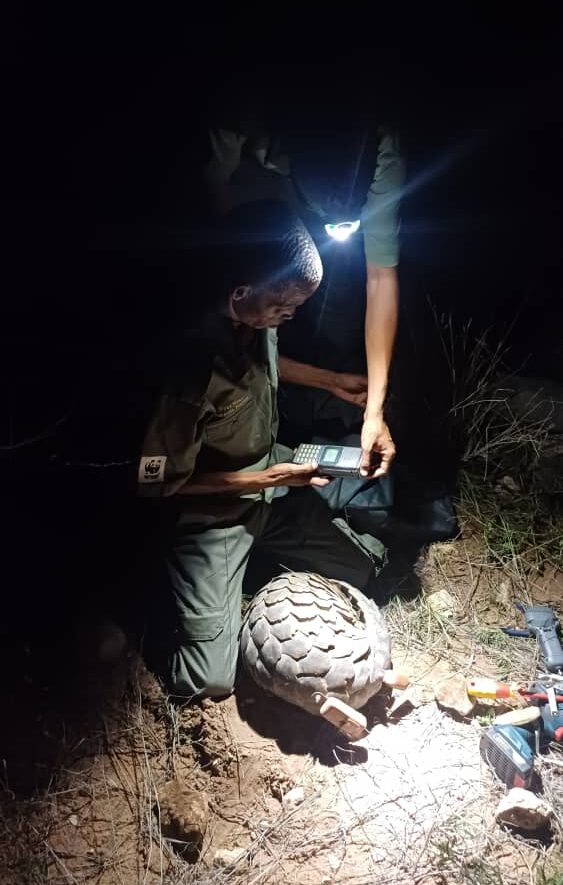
[(469, 847), (329, 834), (418, 631), (392, 840), (97, 822), (480, 421), (520, 530), (507, 493), (148, 741), (512, 534)]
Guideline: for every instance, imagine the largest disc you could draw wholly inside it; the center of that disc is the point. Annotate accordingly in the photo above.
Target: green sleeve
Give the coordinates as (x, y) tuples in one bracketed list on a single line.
[(172, 443), (380, 215)]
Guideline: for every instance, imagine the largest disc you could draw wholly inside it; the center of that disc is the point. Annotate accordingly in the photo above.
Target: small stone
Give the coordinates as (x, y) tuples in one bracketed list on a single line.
[(415, 695), (227, 857), (73, 819), (294, 797), (523, 809), (184, 815), (451, 693), (441, 603)]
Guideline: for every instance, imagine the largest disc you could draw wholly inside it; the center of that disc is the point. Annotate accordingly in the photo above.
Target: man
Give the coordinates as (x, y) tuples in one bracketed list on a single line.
[(323, 349), (210, 453)]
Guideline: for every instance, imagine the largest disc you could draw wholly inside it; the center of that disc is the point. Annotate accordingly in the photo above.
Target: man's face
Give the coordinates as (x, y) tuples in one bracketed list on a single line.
[(268, 308)]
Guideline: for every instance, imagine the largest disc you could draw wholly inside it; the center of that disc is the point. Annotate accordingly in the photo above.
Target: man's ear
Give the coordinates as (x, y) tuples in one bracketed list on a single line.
[(238, 295), (240, 292)]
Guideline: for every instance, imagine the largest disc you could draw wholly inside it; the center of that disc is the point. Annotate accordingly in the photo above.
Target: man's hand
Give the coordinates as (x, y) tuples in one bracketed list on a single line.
[(351, 388), (376, 441), (293, 475)]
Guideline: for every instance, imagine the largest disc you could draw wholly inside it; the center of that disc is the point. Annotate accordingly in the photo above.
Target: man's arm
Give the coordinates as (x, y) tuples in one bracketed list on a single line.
[(241, 482), (380, 221), (380, 328), (168, 465), (346, 386)]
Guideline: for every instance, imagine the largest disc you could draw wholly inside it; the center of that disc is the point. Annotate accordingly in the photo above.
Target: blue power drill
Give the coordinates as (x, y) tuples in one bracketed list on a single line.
[(541, 622)]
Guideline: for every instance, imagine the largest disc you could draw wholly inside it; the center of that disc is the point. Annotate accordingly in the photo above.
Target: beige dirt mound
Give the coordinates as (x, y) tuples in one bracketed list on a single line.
[(410, 803)]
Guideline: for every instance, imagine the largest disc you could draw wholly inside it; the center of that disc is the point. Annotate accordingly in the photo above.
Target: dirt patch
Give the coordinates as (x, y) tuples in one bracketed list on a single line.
[(289, 800)]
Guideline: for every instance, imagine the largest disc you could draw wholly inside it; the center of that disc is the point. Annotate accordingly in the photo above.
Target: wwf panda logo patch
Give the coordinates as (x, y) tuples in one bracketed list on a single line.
[(151, 468)]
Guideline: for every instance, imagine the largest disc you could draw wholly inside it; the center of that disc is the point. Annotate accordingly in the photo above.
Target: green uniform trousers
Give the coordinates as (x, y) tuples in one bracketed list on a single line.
[(203, 572)]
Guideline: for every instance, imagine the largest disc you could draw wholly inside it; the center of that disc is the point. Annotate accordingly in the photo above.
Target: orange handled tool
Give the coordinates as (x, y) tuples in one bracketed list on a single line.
[(482, 687)]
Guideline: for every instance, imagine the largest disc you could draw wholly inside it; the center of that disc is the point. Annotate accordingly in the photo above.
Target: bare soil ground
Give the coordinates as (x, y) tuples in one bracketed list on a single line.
[(289, 800)]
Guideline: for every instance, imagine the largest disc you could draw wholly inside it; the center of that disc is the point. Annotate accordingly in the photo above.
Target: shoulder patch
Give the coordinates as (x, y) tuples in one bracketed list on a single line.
[(151, 468)]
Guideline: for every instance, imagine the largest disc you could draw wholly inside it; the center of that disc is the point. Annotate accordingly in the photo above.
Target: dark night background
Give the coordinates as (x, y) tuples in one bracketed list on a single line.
[(101, 123)]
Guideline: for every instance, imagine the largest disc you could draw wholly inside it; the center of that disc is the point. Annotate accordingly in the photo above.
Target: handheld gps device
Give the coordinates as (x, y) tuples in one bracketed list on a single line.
[(331, 460)]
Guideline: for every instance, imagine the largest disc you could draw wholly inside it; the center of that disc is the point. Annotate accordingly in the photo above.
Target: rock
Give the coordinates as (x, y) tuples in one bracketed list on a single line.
[(227, 857), (451, 693), (413, 695), (294, 797), (184, 815), (441, 602), (522, 808)]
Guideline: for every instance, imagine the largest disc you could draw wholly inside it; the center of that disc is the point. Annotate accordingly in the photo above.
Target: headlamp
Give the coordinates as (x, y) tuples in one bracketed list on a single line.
[(343, 230)]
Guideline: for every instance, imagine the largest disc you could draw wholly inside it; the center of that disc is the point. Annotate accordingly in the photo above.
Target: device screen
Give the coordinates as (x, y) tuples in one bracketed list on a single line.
[(330, 455)]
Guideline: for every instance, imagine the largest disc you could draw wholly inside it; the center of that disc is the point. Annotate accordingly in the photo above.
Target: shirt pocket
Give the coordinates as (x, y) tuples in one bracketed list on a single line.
[(225, 427)]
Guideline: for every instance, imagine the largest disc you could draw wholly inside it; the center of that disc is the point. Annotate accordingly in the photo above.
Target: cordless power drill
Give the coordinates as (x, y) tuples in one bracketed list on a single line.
[(509, 749), (541, 622)]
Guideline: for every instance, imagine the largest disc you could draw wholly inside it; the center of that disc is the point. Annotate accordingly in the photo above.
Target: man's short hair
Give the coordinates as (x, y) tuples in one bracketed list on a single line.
[(264, 244)]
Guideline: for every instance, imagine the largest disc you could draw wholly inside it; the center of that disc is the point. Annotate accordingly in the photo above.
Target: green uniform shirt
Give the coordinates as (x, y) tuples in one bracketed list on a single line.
[(252, 169), (224, 420)]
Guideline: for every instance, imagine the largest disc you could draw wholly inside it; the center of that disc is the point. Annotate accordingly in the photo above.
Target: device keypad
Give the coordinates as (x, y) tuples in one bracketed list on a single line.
[(307, 453)]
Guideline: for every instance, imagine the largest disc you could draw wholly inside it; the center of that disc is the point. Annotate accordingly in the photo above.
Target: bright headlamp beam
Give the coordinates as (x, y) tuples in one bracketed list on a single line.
[(343, 230)]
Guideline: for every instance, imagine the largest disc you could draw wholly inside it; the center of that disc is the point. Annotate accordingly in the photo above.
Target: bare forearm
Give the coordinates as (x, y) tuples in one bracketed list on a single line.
[(380, 331), (293, 372), (225, 483), (240, 483)]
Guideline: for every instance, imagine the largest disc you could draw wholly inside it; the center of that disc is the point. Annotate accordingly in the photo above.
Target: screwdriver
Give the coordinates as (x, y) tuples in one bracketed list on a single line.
[(483, 687)]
